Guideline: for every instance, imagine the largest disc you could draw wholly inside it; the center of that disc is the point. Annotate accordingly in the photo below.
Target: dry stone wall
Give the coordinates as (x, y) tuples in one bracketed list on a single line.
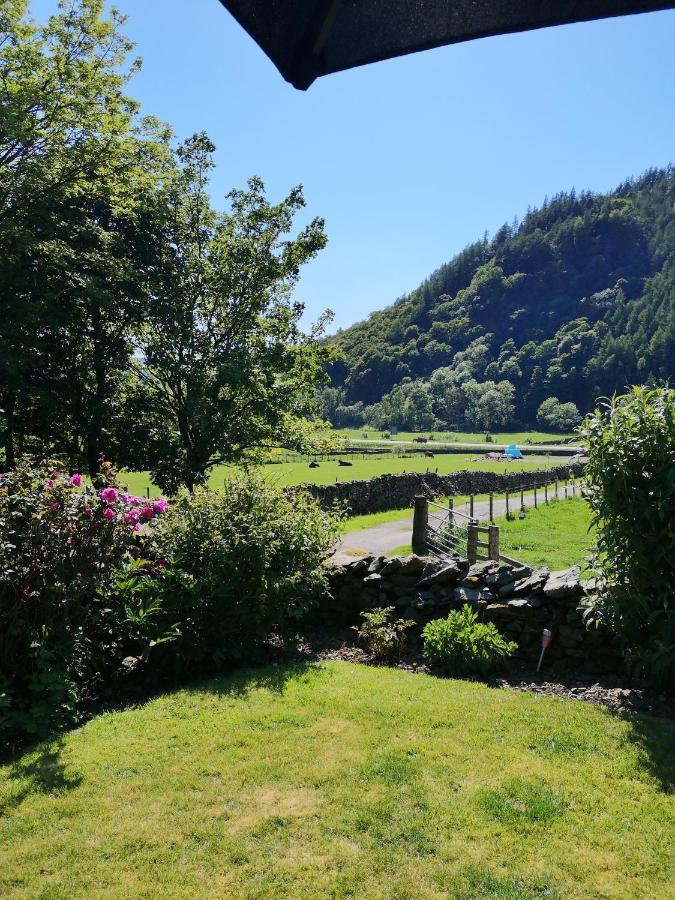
[(520, 601), (386, 492)]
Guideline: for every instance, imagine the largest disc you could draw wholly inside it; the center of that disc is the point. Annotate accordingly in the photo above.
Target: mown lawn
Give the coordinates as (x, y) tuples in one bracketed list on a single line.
[(338, 780), (289, 473)]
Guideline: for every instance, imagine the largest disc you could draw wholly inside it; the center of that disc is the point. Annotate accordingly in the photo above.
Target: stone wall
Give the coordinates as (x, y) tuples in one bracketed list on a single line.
[(521, 602), (397, 491)]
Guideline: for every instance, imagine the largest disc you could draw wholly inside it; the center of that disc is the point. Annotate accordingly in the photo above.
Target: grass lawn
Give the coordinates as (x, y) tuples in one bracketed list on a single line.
[(336, 781), (556, 535), (290, 473), (459, 437)]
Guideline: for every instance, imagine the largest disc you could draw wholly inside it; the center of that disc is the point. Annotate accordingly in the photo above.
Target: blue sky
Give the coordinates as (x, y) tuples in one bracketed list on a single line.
[(411, 159)]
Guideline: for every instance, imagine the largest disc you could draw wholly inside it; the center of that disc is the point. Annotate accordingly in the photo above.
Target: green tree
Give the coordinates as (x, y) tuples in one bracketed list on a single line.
[(77, 174), (223, 365), (631, 470)]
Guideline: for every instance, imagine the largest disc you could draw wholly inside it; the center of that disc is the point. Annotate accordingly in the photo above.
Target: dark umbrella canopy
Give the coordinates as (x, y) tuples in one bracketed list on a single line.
[(309, 38)]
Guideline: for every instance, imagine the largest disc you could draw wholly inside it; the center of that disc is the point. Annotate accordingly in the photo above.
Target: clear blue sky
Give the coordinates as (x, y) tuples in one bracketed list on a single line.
[(411, 159)]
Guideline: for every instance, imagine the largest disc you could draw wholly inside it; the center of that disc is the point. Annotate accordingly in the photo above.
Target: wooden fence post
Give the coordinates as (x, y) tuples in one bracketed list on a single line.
[(507, 504), (565, 489), (451, 514), (556, 489), (535, 496), (420, 522), (493, 542), (471, 506), (546, 492), (471, 543), (491, 507)]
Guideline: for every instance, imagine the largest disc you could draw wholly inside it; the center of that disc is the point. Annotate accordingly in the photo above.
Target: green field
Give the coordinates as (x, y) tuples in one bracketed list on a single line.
[(337, 780), (290, 473), (458, 437)]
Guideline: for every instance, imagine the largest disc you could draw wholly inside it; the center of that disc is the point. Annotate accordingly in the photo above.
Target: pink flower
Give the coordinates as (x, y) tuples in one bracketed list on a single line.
[(88, 512), (109, 514), (54, 506), (131, 499), (76, 479), (50, 483), (131, 517), (55, 474), (136, 527), (108, 495), (147, 513), (160, 506)]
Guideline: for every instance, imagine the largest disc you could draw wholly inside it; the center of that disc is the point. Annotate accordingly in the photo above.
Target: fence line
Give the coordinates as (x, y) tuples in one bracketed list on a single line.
[(444, 530)]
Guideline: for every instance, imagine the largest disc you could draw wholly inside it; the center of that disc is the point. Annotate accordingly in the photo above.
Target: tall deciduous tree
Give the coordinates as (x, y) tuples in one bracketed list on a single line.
[(77, 181), (223, 365)]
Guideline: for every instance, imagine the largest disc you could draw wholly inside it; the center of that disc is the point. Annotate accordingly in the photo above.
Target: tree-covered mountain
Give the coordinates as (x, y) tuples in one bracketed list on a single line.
[(575, 302)]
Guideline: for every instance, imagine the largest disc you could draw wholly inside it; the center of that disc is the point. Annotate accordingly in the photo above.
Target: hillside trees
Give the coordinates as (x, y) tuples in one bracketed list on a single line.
[(576, 301)]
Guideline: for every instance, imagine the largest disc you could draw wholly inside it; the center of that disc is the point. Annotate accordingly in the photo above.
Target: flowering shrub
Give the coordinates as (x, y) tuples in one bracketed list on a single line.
[(61, 625), (235, 564)]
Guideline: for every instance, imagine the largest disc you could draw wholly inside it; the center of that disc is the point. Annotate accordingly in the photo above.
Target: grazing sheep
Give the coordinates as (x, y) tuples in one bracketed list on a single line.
[(314, 464), (343, 462), (429, 453)]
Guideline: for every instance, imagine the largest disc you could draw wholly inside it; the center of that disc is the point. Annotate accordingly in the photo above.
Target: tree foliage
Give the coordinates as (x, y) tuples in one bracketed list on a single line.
[(631, 469)]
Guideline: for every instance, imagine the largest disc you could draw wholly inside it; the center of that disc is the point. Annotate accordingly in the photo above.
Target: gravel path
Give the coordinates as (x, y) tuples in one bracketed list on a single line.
[(382, 539)]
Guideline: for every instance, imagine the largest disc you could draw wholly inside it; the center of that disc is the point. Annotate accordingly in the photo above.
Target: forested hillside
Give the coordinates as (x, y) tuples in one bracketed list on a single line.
[(576, 301)]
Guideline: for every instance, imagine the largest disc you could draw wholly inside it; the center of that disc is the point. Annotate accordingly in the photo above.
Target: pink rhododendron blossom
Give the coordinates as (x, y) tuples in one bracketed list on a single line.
[(76, 479), (147, 512), (108, 495), (54, 506), (88, 511), (50, 483), (131, 499), (160, 506), (108, 514), (131, 516), (136, 527)]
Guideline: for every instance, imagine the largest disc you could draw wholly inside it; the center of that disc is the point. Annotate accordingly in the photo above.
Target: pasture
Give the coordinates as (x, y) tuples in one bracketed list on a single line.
[(329, 471), (339, 780), (457, 437)]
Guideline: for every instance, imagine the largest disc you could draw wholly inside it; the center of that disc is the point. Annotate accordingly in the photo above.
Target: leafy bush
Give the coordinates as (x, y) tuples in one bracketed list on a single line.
[(60, 625), (231, 566), (461, 645), (631, 469), (383, 635)]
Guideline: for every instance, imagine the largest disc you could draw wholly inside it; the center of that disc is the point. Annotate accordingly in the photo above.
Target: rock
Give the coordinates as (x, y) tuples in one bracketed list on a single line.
[(564, 585), (525, 585), (507, 575), (376, 564), (449, 574), (411, 565), (471, 595), (372, 579), (391, 565), (519, 606), (401, 580), (483, 568)]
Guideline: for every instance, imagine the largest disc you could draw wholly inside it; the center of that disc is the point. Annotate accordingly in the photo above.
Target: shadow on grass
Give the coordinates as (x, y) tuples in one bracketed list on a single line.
[(274, 678), (655, 739), (40, 771)]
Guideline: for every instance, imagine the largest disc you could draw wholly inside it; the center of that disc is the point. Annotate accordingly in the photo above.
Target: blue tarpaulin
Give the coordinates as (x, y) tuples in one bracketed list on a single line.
[(513, 452)]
